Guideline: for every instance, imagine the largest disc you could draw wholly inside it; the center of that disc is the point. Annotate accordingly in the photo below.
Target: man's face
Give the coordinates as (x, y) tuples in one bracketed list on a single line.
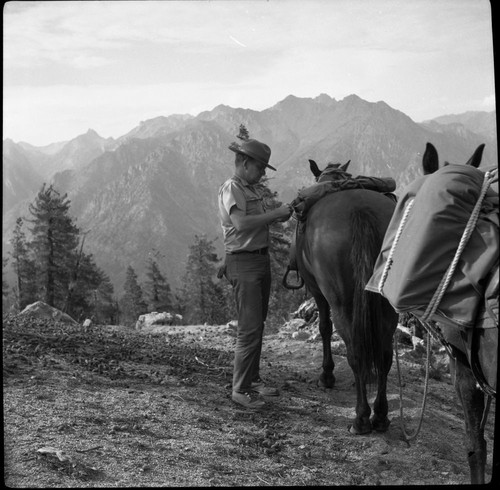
[(254, 170)]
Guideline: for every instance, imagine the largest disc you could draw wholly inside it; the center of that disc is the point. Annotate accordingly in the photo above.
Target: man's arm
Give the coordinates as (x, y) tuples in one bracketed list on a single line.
[(243, 222)]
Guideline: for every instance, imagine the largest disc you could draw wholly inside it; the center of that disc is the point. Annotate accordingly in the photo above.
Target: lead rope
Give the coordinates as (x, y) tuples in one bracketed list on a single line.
[(485, 412), (407, 436)]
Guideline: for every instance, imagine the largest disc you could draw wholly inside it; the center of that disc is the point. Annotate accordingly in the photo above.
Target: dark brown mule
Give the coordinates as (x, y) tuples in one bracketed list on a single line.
[(335, 256), (484, 353)]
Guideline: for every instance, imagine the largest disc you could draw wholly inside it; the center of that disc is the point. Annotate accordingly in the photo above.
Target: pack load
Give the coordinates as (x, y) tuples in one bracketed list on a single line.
[(311, 195), (435, 262)]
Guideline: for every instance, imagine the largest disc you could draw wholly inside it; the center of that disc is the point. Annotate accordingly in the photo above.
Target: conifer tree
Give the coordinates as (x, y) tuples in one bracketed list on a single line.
[(24, 267), (203, 297), (157, 290), (105, 305), (5, 286), (55, 238), (90, 289), (132, 302)]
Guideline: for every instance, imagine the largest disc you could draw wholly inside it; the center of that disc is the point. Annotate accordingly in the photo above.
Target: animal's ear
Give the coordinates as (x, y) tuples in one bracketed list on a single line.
[(430, 160), (314, 168), (475, 159), (344, 167)]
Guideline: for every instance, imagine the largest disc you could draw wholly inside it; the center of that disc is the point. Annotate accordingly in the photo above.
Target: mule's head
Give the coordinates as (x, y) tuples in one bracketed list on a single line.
[(334, 171), (430, 160)]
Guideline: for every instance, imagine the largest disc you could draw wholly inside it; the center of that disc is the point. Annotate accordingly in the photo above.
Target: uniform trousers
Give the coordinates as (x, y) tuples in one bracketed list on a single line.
[(250, 277)]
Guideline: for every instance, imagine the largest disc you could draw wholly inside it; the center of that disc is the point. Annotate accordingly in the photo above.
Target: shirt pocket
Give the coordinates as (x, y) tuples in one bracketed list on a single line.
[(254, 205)]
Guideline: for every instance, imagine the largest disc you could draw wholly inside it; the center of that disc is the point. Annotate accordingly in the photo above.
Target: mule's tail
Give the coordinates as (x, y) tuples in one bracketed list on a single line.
[(367, 320)]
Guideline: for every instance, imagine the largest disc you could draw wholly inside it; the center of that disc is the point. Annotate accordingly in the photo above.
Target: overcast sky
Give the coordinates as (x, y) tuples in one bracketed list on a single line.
[(107, 65)]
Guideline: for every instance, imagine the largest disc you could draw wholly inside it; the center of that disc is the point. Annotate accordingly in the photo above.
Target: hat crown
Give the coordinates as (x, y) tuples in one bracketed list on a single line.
[(260, 152), (256, 150)]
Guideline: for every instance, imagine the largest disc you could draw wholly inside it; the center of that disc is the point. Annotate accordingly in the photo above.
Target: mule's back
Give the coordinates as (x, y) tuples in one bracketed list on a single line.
[(328, 239)]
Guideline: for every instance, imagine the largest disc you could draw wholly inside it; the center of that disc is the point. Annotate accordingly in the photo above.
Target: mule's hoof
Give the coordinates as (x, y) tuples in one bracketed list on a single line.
[(381, 425), (356, 432), (328, 384)]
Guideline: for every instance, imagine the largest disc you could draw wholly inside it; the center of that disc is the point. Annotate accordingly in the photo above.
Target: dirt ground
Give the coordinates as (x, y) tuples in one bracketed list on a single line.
[(109, 407)]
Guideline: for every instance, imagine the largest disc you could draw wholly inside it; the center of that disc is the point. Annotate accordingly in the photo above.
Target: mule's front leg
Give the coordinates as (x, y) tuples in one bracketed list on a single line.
[(327, 379)]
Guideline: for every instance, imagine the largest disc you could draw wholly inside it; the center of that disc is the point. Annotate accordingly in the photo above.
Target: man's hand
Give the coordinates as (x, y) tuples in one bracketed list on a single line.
[(247, 222), (284, 213)]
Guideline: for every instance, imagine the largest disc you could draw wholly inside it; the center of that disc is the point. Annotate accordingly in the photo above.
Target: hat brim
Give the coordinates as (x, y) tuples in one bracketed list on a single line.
[(251, 155)]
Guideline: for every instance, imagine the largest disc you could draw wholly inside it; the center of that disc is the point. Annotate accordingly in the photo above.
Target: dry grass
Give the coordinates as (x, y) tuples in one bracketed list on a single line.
[(128, 409)]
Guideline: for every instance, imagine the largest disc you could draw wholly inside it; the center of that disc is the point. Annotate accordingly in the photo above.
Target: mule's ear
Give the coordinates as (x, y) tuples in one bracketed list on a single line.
[(344, 167), (430, 160), (475, 159), (314, 168)]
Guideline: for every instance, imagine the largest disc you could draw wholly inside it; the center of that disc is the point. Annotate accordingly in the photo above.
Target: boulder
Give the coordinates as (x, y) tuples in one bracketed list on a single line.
[(307, 310), (295, 324), (44, 311), (154, 318)]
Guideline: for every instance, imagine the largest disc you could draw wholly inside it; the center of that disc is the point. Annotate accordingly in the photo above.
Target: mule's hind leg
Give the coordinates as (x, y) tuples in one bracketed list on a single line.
[(361, 424), (326, 379), (472, 400), (380, 422)]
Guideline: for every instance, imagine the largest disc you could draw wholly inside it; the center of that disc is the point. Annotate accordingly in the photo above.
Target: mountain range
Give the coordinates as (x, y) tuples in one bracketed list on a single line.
[(150, 191)]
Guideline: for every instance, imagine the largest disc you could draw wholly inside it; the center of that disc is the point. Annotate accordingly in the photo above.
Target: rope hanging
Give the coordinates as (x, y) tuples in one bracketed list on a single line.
[(389, 261), (407, 436)]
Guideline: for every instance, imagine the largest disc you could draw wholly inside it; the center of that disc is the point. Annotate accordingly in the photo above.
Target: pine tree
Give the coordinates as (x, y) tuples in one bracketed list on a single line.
[(132, 302), (157, 290), (24, 267), (55, 239), (5, 286), (92, 288), (203, 298), (105, 305)]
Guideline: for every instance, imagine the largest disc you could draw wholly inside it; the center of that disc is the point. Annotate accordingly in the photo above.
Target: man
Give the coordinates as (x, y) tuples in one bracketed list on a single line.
[(245, 225)]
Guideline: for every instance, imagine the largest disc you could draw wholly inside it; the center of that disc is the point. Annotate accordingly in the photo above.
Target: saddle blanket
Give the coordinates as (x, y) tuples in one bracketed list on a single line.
[(427, 244)]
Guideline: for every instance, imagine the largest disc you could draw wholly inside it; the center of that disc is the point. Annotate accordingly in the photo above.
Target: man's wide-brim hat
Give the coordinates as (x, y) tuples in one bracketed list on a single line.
[(253, 149)]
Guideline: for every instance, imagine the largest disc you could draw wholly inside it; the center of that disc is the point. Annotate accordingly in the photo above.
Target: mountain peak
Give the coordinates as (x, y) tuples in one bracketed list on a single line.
[(324, 99)]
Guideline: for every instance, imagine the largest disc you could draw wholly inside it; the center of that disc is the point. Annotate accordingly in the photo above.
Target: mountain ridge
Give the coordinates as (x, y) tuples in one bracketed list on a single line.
[(155, 187)]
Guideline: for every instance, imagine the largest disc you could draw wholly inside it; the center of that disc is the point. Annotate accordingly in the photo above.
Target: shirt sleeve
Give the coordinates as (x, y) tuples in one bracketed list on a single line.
[(232, 196)]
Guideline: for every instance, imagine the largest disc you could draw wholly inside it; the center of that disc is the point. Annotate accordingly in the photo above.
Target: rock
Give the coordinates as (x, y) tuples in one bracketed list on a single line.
[(154, 318), (44, 311), (307, 310), (300, 335), (295, 324), (418, 344), (404, 334)]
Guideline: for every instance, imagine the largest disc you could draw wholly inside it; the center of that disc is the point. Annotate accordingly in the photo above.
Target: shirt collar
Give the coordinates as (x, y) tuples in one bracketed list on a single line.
[(242, 181)]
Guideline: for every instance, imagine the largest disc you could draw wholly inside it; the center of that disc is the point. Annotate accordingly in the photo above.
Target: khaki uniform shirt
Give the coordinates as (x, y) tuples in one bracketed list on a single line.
[(238, 192)]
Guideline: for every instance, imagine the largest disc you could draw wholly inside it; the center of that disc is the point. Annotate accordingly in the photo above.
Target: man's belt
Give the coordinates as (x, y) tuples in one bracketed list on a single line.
[(260, 251)]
